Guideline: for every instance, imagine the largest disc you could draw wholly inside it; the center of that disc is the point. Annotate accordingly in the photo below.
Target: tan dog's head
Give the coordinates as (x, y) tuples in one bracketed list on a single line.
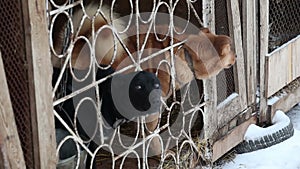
[(210, 53)]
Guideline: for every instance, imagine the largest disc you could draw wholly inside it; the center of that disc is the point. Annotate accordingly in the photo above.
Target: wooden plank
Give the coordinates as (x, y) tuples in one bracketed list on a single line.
[(236, 33), (285, 102), (40, 74), (228, 109), (296, 57), (279, 70), (232, 139), (210, 85), (11, 154), (249, 46), (263, 40), (210, 115), (283, 63), (208, 12)]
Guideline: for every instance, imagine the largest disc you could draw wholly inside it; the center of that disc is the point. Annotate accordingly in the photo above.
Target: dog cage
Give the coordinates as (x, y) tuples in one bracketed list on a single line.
[(230, 85), (279, 55), (198, 123), (283, 22), (178, 132)]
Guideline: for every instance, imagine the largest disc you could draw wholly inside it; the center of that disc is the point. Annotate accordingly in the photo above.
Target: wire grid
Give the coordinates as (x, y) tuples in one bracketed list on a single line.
[(225, 79), (181, 119), (12, 46), (284, 22)]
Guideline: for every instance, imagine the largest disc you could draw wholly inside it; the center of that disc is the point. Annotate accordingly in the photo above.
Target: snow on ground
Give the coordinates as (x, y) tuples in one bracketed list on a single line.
[(285, 155)]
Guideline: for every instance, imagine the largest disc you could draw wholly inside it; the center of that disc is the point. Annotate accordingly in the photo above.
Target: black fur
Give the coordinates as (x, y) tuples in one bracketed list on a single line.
[(128, 96), (124, 96)]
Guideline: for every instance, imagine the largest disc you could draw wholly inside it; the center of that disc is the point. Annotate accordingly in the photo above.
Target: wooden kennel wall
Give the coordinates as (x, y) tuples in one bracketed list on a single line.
[(279, 56), (228, 110), (228, 120), (26, 61)]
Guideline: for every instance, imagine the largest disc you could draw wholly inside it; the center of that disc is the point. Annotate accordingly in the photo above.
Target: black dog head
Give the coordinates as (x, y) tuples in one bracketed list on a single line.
[(144, 92), (136, 94)]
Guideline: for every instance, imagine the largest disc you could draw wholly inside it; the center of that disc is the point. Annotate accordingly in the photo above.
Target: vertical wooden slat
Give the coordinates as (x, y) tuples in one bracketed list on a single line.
[(210, 85), (235, 30), (296, 58), (249, 46), (263, 40), (11, 154), (40, 73), (210, 117)]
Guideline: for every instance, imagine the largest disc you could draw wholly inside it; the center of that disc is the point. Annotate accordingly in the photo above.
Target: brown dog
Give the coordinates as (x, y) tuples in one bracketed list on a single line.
[(199, 56)]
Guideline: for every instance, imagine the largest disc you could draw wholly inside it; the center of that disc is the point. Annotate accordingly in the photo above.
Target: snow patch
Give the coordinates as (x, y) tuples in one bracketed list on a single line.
[(279, 121), (279, 156), (273, 100), (228, 99)]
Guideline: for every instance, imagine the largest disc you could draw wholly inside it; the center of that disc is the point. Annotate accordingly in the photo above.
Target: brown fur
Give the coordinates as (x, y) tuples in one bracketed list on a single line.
[(209, 54)]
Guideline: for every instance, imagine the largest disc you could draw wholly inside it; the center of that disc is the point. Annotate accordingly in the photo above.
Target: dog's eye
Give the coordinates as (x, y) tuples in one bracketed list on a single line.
[(156, 85), (138, 87)]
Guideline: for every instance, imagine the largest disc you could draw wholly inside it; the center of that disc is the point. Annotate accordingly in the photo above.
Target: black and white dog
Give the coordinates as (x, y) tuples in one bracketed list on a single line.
[(123, 98)]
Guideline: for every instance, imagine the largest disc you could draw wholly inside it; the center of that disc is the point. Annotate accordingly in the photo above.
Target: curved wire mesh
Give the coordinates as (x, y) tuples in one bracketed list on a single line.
[(131, 145)]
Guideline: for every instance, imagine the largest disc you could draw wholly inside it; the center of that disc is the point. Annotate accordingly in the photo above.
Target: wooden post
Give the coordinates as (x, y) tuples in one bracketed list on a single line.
[(11, 154), (249, 45), (40, 74), (235, 30), (210, 85), (263, 39)]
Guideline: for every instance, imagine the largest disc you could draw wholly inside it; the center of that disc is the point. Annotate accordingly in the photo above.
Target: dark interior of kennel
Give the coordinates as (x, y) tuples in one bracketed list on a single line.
[(16, 65)]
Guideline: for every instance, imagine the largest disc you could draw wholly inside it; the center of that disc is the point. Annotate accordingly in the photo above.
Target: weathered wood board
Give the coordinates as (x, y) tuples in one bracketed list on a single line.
[(11, 154), (283, 66), (232, 139)]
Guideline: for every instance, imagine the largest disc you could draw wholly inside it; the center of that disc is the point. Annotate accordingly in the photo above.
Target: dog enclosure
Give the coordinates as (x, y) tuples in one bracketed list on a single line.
[(279, 56), (194, 128)]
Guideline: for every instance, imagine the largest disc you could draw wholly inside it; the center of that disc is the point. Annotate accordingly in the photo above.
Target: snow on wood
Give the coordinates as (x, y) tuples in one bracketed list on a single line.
[(283, 155), (273, 100), (228, 99)]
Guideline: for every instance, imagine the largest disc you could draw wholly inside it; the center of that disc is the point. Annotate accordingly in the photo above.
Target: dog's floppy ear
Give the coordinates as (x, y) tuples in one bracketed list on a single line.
[(203, 54), (200, 47), (222, 44)]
